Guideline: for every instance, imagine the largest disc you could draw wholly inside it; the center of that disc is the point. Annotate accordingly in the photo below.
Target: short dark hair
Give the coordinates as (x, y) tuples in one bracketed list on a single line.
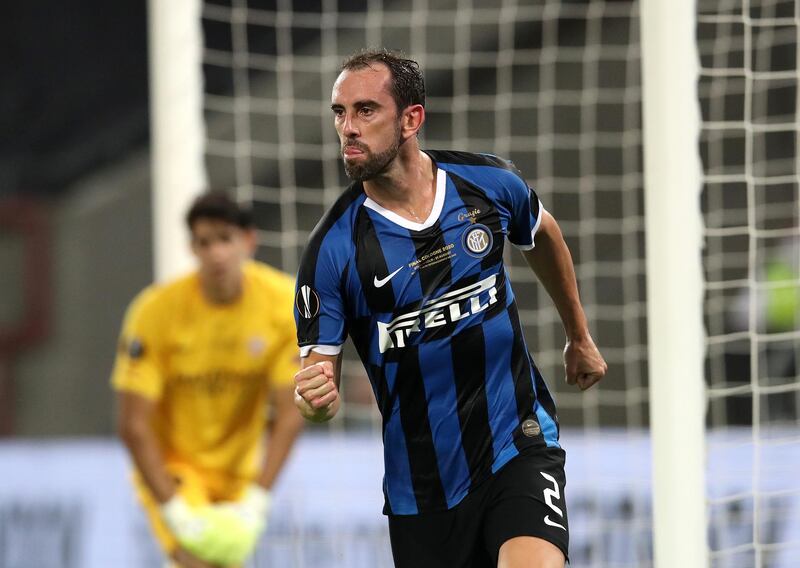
[(219, 206), (408, 84)]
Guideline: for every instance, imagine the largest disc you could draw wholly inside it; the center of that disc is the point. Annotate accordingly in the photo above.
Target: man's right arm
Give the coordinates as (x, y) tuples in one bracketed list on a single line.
[(138, 380), (551, 260), (317, 386), (135, 429)]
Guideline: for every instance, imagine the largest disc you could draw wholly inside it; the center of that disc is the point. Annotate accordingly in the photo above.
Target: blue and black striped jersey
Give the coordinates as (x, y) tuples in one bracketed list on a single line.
[(431, 312)]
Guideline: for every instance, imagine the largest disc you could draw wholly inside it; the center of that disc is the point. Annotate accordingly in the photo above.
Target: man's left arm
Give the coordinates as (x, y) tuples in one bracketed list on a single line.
[(551, 260), (253, 507), (286, 424)]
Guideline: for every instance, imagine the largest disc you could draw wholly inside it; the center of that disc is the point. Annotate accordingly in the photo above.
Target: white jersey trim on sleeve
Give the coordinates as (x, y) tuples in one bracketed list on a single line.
[(533, 232), (321, 349), (438, 203)]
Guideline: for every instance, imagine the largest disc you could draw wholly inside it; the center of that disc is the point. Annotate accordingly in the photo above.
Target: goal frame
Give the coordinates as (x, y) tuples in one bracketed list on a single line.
[(673, 229)]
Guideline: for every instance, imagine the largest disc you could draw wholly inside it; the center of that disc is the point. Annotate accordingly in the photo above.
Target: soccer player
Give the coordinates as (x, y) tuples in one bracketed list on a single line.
[(409, 263), (199, 359)]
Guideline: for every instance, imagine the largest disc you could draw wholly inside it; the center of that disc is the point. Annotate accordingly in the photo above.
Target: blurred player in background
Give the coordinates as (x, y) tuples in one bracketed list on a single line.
[(409, 262), (199, 359)]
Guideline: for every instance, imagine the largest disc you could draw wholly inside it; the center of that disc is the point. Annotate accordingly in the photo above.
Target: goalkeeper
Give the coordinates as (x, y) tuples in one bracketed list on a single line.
[(198, 361)]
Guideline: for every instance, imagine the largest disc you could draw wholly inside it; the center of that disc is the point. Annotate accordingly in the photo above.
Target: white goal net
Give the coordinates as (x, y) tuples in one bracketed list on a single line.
[(553, 86), (556, 87), (749, 144)]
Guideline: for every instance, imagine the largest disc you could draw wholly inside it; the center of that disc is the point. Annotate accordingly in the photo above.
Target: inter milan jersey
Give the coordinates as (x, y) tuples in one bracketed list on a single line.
[(430, 310)]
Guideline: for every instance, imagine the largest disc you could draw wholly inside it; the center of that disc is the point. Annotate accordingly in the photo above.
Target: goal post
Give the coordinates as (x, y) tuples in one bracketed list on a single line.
[(673, 181), (176, 127)]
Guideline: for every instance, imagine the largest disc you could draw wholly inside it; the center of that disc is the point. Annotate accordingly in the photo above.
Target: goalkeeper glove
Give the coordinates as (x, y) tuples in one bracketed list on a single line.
[(253, 507), (212, 534), (249, 515)]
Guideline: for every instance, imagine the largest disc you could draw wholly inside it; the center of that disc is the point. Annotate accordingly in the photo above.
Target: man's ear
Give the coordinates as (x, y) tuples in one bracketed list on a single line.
[(192, 243), (251, 241), (412, 120)]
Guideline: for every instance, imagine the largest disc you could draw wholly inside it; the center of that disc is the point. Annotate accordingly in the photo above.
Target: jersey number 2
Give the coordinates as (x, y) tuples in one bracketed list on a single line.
[(549, 495)]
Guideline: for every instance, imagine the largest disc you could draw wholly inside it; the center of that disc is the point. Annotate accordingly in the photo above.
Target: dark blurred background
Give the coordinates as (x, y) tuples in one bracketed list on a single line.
[(74, 196), (74, 93)]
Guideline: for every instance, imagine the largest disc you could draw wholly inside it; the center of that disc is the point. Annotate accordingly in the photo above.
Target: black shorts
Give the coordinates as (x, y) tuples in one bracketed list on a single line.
[(525, 498)]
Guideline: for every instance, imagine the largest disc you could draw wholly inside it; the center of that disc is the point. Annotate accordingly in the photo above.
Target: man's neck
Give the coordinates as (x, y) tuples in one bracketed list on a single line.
[(408, 188)]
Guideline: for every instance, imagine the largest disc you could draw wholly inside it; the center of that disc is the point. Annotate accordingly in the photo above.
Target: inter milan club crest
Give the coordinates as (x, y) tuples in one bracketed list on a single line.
[(307, 302), (477, 240)]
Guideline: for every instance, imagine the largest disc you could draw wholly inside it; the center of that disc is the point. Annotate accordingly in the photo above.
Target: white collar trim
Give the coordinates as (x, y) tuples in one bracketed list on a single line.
[(438, 204)]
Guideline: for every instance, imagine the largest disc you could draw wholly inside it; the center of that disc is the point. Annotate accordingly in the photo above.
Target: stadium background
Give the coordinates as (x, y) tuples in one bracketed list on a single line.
[(555, 86)]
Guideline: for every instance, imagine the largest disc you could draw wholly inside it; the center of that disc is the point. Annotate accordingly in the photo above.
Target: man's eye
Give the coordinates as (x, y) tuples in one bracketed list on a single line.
[(365, 111)]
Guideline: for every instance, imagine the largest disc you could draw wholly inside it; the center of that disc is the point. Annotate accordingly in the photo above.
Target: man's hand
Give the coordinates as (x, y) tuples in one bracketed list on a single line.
[(242, 524), (212, 534), (583, 363), (252, 509), (187, 523), (316, 393)]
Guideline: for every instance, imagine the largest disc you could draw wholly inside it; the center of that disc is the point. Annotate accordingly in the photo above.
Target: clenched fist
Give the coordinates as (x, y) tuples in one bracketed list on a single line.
[(583, 363), (316, 393)]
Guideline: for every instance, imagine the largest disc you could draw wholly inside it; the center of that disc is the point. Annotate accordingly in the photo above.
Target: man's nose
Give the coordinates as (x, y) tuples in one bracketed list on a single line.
[(217, 252), (349, 128)]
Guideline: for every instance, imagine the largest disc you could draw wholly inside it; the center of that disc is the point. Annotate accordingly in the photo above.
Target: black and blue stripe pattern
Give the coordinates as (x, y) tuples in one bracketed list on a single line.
[(433, 318)]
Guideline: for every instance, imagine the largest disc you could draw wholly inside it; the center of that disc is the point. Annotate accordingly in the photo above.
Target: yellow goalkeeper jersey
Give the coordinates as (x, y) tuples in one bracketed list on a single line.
[(210, 367)]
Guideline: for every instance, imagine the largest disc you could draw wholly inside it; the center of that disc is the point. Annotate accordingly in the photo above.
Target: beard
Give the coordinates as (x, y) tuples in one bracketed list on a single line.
[(374, 164)]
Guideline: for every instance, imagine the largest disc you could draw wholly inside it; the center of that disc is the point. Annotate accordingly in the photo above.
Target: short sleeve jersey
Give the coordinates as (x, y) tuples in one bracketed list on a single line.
[(210, 367), (431, 312)]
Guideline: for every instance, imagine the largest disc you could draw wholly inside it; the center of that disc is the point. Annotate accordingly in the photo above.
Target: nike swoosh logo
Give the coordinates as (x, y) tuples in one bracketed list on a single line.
[(547, 521), (381, 281)]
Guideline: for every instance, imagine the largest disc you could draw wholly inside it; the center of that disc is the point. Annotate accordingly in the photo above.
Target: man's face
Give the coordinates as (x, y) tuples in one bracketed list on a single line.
[(367, 121), (221, 248)]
